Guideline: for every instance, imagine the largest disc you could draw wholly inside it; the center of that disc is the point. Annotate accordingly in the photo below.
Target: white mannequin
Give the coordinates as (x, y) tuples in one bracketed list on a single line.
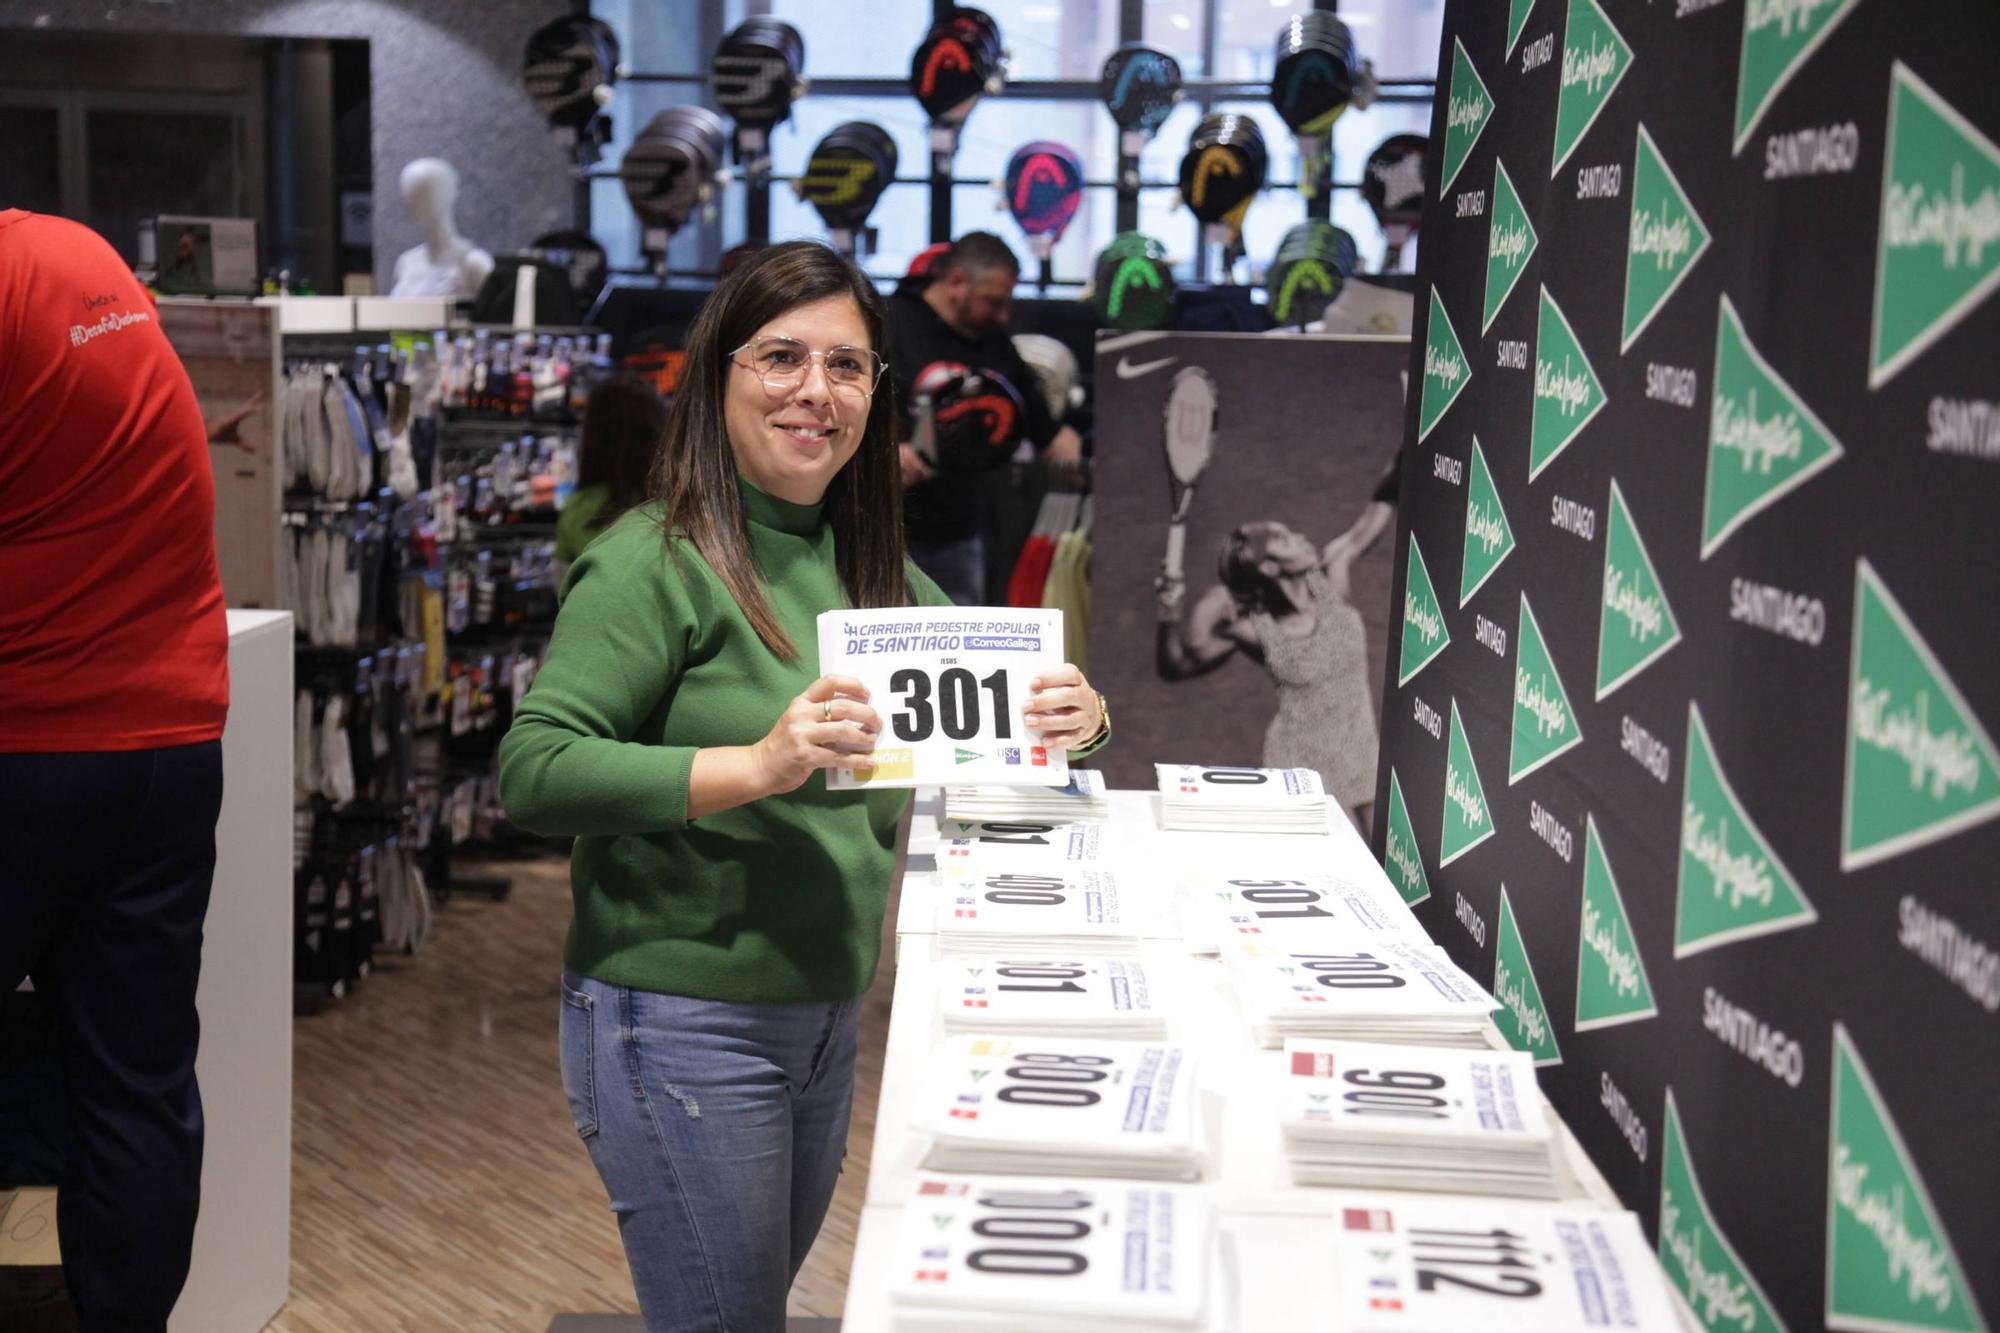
[(446, 264)]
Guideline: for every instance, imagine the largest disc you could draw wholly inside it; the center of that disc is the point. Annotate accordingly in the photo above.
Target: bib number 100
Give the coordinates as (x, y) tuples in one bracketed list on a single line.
[(955, 709)]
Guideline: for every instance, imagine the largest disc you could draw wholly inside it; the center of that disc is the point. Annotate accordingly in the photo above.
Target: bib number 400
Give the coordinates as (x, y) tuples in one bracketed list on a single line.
[(956, 709)]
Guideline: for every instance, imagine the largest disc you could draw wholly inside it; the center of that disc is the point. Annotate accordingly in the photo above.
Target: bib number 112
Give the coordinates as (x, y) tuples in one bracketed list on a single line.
[(956, 709)]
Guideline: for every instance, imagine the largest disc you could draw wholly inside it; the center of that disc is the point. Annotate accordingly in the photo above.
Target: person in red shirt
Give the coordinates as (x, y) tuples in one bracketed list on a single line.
[(113, 690)]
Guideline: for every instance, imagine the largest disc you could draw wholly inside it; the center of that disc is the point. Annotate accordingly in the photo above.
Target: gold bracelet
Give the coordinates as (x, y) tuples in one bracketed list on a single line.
[(1103, 723)]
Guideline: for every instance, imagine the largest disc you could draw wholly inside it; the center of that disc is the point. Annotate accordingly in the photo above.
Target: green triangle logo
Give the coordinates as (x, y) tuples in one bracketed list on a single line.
[(1510, 241), (1920, 767), (1446, 371), (1611, 982), (1424, 632), (1889, 1262), (1637, 625), (1731, 885), (1517, 22), (1522, 1017), (1467, 113), (965, 756), (1567, 391), (1400, 856), (1595, 59), (1544, 723), (1778, 37), (1702, 1266), (1936, 254), (1489, 538), (1665, 238), (1763, 441), (1467, 821)]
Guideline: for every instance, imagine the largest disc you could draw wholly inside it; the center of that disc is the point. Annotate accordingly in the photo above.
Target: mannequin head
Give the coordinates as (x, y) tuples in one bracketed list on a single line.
[(429, 186)]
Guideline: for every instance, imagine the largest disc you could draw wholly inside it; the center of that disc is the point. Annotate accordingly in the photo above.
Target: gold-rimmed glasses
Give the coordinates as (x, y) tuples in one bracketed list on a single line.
[(781, 362)]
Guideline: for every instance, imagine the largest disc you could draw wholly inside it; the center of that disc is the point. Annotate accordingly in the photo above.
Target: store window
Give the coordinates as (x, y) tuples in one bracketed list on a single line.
[(854, 41)]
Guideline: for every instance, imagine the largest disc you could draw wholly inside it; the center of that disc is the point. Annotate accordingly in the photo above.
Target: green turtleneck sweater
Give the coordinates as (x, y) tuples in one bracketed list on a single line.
[(780, 900)]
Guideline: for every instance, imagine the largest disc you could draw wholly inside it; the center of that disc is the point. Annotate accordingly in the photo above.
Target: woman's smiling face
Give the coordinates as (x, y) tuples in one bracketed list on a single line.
[(791, 442)]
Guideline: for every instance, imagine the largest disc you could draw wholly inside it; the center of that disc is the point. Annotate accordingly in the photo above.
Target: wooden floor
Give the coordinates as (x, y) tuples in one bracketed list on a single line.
[(437, 1183)]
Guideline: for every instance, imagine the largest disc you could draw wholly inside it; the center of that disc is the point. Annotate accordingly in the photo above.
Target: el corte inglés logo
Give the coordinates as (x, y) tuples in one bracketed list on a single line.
[(1594, 61), (1467, 112), (1697, 1256), (1666, 238), (1522, 1017), (1467, 821), (1400, 856), (1938, 252), (1567, 391), (1489, 538), (1446, 371), (1424, 632), (1611, 982), (1544, 723), (1779, 36), (1637, 625), (1510, 240), (1920, 765), (1731, 885)]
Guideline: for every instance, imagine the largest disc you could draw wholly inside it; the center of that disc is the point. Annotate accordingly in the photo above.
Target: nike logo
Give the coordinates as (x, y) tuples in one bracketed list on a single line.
[(1129, 370)]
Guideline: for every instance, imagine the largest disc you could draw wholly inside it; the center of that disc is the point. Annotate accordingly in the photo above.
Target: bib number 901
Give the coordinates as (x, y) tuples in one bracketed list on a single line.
[(956, 707)]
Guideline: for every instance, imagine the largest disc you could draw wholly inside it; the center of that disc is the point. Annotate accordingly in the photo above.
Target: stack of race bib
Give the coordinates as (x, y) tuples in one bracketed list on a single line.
[(1413, 1264), (995, 911), (1059, 1106), (1000, 1255), (1358, 989), (1241, 800), (1368, 1116), (1053, 994), (1022, 844), (1082, 798), (1299, 909)]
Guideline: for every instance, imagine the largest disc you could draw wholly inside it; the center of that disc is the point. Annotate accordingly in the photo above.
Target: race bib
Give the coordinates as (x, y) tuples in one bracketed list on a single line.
[(951, 684)]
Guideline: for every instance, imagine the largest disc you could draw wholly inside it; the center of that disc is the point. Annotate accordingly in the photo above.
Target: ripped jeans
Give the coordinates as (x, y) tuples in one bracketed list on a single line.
[(718, 1129)]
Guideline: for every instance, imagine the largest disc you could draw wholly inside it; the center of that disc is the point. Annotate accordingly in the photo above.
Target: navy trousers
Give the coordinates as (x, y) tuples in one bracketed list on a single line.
[(106, 860)]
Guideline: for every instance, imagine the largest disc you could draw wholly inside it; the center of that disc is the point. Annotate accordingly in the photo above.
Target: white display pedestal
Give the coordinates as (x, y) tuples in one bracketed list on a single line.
[(242, 1243)]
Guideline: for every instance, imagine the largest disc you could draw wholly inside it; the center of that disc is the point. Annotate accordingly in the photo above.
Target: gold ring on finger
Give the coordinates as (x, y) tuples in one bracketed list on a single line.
[(826, 711)]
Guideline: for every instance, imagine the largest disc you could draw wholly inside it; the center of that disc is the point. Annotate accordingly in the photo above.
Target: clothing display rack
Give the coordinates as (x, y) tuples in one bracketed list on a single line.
[(417, 555)]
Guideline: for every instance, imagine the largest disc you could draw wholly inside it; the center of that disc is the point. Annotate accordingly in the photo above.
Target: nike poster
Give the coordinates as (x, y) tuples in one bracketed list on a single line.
[(1241, 562)]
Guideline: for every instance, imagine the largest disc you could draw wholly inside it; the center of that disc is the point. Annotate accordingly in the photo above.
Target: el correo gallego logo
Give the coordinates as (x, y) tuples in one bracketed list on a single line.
[(1665, 241), (1787, 14), (1535, 694), (1567, 386), (1404, 857), (1484, 527), (1602, 937), (1589, 67), (1427, 620), (1939, 760), (1642, 611), (1915, 1260), (1461, 794), (1743, 876), (1721, 1300), (1963, 230), (1467, 111), (1760, 442), (1442, 365), (1510, 242), (1509, 991)]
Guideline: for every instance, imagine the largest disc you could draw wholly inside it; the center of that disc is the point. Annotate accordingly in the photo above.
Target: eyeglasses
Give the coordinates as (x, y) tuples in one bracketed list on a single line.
[(781, 363)]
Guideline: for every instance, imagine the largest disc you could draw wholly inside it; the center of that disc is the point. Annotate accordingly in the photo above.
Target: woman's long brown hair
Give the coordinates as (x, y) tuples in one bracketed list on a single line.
[(695, 473)]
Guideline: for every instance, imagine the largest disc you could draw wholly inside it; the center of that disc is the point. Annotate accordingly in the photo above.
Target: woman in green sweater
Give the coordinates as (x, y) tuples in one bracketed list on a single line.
[(728, 905)]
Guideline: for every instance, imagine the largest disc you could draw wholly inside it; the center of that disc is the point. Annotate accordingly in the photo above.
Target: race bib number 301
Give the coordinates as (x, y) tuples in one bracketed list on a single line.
[(951, 684)]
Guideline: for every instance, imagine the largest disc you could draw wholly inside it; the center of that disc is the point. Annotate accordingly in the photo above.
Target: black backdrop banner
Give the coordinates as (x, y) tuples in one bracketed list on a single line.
[(1688, 710), (1269, 652)]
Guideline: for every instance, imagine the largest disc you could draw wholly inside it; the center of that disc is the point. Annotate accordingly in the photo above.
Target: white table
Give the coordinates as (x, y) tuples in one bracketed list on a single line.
[(1279, 1235)]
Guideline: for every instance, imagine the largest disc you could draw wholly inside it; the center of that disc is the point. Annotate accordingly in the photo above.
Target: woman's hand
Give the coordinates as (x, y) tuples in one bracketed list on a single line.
[(1063, 710), (828, 726)]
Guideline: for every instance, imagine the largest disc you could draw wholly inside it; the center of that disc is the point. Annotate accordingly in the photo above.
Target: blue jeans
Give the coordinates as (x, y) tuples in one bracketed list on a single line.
[(719, 1130), (958, 567)]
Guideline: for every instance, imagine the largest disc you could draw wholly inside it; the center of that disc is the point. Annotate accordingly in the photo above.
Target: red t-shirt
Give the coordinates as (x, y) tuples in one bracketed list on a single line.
[(112, 630)]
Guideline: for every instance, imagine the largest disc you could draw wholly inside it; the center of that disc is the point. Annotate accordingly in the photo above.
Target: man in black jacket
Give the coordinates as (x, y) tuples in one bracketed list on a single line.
[(949, 341)]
